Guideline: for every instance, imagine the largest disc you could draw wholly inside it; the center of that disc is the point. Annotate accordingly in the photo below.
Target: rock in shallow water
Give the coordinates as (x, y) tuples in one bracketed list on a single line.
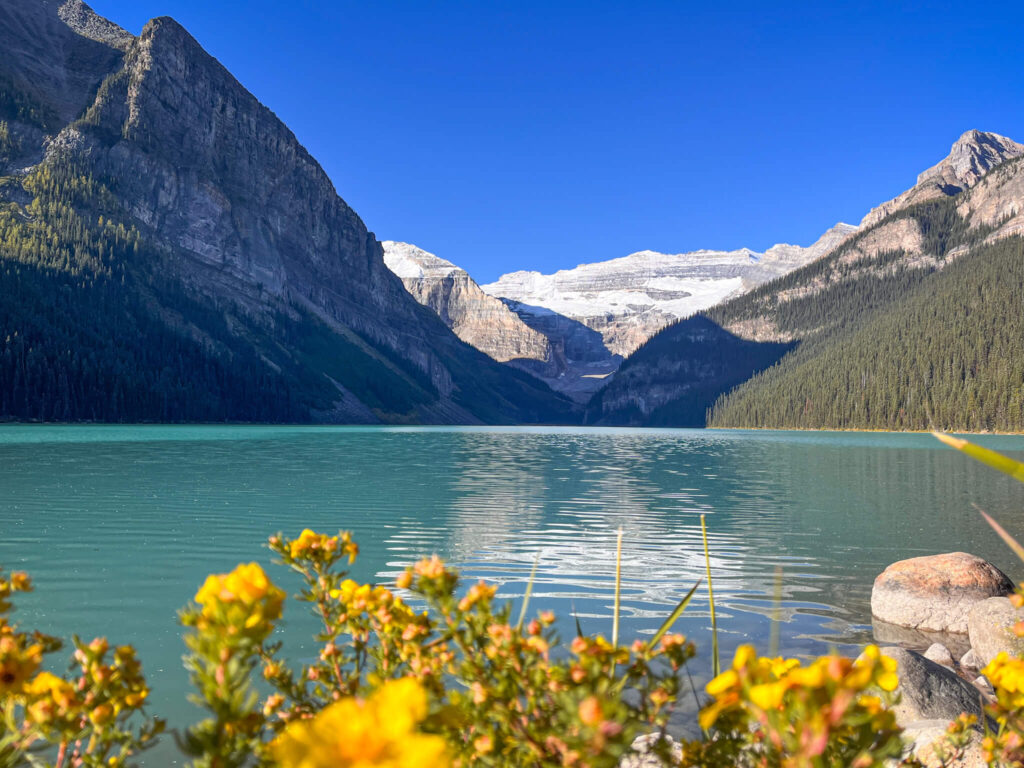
[(940, 654), (970, 660), (645, 757), (990, 626), (936, 592), (930, 691)]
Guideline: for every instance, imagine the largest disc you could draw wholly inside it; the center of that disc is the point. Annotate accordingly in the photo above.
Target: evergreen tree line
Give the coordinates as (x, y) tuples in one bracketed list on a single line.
[(885, 342), (79, 340), (948, 356)]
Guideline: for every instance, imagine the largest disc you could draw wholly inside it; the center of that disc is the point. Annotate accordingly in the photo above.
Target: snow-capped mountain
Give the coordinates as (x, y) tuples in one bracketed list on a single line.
[(629, 299)]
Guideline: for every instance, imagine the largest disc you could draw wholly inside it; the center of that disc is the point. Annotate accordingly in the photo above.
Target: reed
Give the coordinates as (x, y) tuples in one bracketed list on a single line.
[(716, 663)]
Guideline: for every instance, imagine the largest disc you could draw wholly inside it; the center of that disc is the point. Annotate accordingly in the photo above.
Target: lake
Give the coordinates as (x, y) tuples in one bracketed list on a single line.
[(118, 525)]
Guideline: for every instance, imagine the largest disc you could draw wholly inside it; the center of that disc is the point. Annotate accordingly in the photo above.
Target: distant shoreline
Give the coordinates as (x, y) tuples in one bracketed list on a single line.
[(837, 430)]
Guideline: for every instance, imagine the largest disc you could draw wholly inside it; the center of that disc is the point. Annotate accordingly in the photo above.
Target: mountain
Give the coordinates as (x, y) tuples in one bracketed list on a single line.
[(478, 319), (628, 300), (572, 329), (169, 251), (913, 321), (565, 354)]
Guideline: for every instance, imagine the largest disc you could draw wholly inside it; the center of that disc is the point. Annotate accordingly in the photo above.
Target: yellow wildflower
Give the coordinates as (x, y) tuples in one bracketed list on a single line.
[(243, 601), (477, 593), (380, 732), (17, 663), (768, 695), (50, 697), (320, 546), (1006, 674)]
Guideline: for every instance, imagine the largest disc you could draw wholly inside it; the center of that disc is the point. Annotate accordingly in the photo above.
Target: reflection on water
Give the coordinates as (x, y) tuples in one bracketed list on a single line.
[(119, 524)]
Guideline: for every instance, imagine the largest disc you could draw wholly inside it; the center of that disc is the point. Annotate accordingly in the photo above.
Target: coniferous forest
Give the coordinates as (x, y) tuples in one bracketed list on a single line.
[(889, 341), (946, 355)]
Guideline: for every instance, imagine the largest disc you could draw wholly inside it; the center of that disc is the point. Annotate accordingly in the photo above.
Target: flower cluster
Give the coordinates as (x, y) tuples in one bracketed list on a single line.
[(382, 730), (320, 547), (86, 719), (242, 604), (832, 711), (1006, 745)]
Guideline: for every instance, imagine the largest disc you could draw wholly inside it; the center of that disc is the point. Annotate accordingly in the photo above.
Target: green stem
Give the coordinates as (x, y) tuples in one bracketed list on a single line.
[(716, 665)]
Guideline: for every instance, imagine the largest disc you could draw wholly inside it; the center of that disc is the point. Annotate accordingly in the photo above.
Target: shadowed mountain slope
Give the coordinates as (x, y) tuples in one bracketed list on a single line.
[(164, 237)]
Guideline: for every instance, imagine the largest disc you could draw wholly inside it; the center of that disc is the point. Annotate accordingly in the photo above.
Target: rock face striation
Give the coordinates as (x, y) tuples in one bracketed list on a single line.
[(564, 353), (478, 319), (628, 300), (235, 216)]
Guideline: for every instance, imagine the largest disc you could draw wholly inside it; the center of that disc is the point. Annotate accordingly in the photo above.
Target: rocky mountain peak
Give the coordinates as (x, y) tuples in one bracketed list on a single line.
[(89, 24), (973, 155), (411, 262)]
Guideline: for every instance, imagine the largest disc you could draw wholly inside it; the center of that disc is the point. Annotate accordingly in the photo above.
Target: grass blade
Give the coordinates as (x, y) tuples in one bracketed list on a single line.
[(529, 591), (618, 590), (667, 624), (1011, 542), (773, 643), (716, 664), (576, 618), (1013, 468)]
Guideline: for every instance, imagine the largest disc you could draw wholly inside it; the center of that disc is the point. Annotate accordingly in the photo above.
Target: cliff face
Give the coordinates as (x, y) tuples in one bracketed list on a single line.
[(567, 355), (971, 200), (478, 319), (239, 217)]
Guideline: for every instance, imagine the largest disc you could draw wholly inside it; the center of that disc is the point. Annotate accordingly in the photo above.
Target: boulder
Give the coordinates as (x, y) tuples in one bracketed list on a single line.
[(940, 654), (926, 741), (930, 691), (644, 756), (970, 659), (990, 628), (935, 593)]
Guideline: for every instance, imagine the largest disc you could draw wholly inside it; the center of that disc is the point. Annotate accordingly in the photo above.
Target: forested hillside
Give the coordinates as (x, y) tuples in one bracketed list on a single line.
[(948, 355), (913, 323), (170, 252)]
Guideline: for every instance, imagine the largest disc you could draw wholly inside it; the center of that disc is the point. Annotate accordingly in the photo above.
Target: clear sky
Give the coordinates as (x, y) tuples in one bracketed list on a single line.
[(541, 135)]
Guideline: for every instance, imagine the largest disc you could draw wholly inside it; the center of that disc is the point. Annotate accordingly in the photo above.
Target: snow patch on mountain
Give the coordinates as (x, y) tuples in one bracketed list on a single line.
[(630, 298)]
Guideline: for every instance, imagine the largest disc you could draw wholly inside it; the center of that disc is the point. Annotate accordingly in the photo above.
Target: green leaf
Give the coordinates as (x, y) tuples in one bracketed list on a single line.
[(1013, 468), (667, 624), (1011, 542)]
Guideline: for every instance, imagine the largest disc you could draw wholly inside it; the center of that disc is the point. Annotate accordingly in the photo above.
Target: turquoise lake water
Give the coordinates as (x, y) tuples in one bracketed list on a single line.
[(119, 525)]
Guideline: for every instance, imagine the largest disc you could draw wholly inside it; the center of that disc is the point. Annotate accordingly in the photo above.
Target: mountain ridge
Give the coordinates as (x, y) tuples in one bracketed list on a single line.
[(820, 306), (230, 216)]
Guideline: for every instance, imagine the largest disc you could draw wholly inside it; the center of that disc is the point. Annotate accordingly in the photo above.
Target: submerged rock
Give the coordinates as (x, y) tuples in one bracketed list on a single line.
[(936, 592), (990, 627), (917, 640)]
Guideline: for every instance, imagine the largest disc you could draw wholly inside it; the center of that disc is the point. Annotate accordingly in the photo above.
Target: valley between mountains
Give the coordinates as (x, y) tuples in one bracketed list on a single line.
[(170, 252)]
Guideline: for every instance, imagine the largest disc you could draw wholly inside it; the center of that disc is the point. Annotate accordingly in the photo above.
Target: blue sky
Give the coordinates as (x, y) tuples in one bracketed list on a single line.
[(526, 135)]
